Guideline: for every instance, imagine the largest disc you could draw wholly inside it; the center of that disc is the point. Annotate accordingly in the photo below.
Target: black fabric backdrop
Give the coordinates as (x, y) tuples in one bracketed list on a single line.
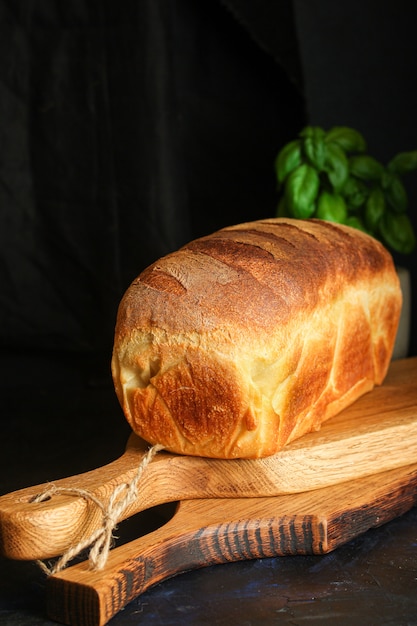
[(128, 128)]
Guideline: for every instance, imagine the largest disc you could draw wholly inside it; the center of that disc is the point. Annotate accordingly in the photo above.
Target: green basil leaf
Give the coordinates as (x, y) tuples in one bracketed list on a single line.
[(331, 207), (349, 139), (315, 149), (396, 194), (356, 222), (282, 209), (301, 189), (312, 131), (355, 192), (365, 167), (374, 209), (386, 179), (403, 163), (336, 167), (288, 159), (397, 232)]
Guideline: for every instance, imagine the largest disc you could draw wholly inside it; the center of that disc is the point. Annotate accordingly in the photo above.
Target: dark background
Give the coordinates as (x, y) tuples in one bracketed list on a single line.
[(128, 128)]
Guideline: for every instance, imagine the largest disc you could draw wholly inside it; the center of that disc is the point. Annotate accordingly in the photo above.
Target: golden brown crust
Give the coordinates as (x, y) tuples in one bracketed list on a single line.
[(248, 338)]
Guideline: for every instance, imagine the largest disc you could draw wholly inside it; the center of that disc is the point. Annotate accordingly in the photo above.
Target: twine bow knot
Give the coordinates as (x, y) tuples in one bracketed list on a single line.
[(101, 540)]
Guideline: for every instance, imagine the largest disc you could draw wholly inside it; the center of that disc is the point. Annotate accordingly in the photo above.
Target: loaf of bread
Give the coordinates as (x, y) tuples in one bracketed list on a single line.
[(246, 339)]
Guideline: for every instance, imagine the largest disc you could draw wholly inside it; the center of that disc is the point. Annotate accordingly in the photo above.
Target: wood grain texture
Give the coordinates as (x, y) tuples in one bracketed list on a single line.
[(376, 434), (208, 532)]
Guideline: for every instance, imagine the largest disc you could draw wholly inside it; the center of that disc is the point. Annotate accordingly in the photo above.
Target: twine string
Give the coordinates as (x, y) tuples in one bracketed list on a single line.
[(101, 540)]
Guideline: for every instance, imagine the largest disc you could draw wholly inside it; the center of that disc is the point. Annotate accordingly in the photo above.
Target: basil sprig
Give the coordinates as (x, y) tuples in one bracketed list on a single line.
[(330, 176)]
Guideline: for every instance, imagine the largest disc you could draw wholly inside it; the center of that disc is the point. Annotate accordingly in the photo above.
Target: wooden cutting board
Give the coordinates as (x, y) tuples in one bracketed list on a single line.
[(358, 472), (213, 531), (376, 434)]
